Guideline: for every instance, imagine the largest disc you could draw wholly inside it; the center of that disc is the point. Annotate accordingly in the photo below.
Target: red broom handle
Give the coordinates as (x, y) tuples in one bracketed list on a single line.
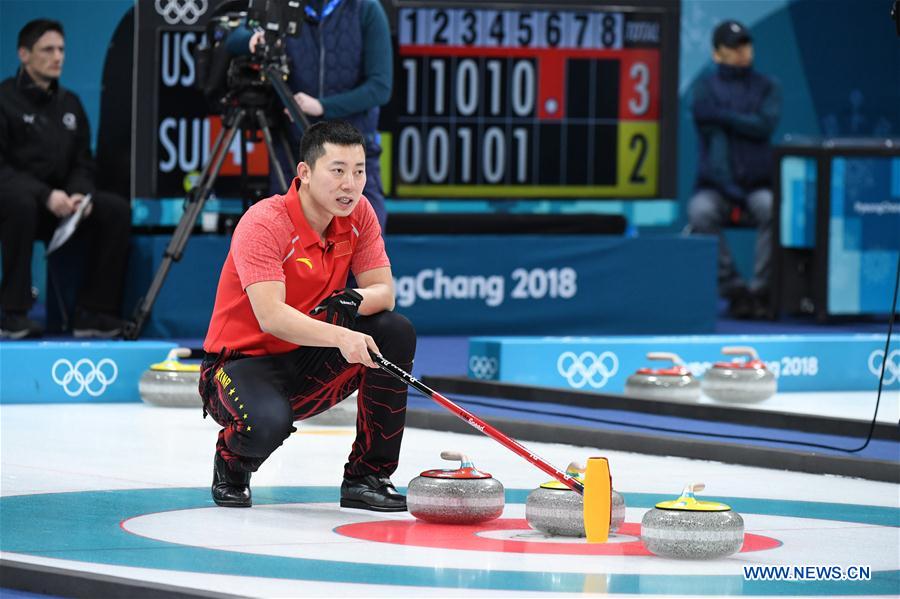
[(478, 423)]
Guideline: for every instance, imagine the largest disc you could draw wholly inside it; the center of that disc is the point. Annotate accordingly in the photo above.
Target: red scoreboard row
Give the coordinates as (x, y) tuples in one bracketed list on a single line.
[(526, 102)]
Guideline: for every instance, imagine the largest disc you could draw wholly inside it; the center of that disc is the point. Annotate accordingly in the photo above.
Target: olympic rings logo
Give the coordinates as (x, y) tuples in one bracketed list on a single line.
[(84, 375), (483, 367), (587, 368), (187, 11), (891, 365)]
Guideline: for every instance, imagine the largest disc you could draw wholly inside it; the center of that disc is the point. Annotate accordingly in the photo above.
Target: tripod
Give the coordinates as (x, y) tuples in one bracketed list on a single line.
[(246, 114)]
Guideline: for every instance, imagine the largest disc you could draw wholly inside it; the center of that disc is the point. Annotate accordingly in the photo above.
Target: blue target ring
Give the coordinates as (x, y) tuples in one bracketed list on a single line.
[(86, 526)]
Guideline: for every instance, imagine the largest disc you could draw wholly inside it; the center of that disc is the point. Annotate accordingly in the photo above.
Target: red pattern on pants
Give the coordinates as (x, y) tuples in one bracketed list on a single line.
[(257, 399)]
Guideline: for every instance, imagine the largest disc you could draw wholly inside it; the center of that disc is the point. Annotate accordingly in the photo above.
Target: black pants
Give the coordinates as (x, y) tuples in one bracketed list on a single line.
[(25, 219), (257, 399)]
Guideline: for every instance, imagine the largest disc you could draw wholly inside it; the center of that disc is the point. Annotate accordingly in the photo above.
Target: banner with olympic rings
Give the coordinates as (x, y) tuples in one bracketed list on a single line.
[(603, 364), (72, 372)]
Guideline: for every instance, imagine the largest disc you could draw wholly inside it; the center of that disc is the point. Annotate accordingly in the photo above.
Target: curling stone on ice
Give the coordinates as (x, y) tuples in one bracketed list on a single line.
[(171, 383), (687, 528), (462, 496), (673, 383), (555, 509), (740, 381)]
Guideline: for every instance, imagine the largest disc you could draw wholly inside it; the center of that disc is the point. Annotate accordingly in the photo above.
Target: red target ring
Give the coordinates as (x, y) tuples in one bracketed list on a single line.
[(469, 537)]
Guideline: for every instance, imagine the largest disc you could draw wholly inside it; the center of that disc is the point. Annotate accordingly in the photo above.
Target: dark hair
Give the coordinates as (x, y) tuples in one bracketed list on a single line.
[(339, 133), (33, 30)]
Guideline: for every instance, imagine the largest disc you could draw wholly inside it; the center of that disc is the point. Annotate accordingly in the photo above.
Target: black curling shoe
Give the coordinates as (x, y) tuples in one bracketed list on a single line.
[(371, 492), (17, 325), (230, 488)]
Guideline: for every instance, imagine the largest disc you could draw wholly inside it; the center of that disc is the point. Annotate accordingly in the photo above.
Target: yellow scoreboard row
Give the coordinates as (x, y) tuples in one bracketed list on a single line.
[(637, 168)]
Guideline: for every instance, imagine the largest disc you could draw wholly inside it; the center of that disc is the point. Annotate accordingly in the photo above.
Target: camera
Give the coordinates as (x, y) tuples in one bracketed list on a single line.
[(227, 79), (278, 18), (249, 91)]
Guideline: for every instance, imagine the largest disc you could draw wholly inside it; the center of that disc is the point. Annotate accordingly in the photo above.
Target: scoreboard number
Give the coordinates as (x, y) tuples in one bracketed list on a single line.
[(509, 28), (526, 103)]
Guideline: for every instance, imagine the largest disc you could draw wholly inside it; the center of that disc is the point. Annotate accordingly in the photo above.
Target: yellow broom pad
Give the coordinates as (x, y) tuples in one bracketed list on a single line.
[(597, 500)]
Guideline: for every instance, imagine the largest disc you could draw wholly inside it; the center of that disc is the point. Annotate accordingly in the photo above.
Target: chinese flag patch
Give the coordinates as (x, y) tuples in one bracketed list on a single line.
[(342, 248)]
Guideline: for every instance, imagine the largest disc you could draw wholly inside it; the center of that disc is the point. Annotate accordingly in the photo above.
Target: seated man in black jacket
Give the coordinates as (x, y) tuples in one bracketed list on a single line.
[(46, 171)]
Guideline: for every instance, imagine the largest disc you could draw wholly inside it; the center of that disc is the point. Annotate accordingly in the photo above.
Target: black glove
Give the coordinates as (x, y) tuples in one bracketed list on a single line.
[(340, 307)]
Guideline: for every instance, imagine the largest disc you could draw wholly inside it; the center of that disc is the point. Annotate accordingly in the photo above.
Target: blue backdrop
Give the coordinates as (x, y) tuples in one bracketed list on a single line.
[(470, 285), (838, 62), (89, 25)]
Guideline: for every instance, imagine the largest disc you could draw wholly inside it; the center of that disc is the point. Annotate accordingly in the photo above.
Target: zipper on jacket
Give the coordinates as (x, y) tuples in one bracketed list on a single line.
[(321, 61)]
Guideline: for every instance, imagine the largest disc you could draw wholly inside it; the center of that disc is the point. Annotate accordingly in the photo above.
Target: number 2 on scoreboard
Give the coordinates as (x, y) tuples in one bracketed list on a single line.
[(638, 157), (638, 142)]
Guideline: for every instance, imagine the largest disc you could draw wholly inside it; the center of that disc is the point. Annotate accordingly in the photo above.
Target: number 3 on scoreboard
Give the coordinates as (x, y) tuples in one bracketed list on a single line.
[(638, 157)]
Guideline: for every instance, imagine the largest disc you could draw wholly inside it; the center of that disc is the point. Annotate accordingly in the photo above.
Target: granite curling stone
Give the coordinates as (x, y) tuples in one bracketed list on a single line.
[(686, 528), (556, 510), (739, 381), (171, 383), (462, 496), (673, 383)]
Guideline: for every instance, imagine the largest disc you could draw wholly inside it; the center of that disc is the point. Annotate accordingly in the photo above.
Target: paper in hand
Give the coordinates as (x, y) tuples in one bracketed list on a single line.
[(67, 226)]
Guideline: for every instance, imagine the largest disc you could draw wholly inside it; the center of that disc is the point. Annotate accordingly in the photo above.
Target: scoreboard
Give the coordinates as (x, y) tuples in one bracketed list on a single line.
[(533, 101)]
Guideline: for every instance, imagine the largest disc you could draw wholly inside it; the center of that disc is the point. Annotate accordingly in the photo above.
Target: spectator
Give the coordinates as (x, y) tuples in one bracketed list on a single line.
[(46, 171), (341, 68), (736, 109)]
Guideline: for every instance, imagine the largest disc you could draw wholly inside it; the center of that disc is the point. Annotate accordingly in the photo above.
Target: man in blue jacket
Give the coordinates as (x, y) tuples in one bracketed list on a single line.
[(736, 109), (341, 68)]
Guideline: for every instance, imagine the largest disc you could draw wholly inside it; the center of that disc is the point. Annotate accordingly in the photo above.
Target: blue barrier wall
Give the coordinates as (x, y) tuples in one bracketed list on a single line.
[(468, 285), (555, 285), (801, 362), (73, 372), (184, 305)]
